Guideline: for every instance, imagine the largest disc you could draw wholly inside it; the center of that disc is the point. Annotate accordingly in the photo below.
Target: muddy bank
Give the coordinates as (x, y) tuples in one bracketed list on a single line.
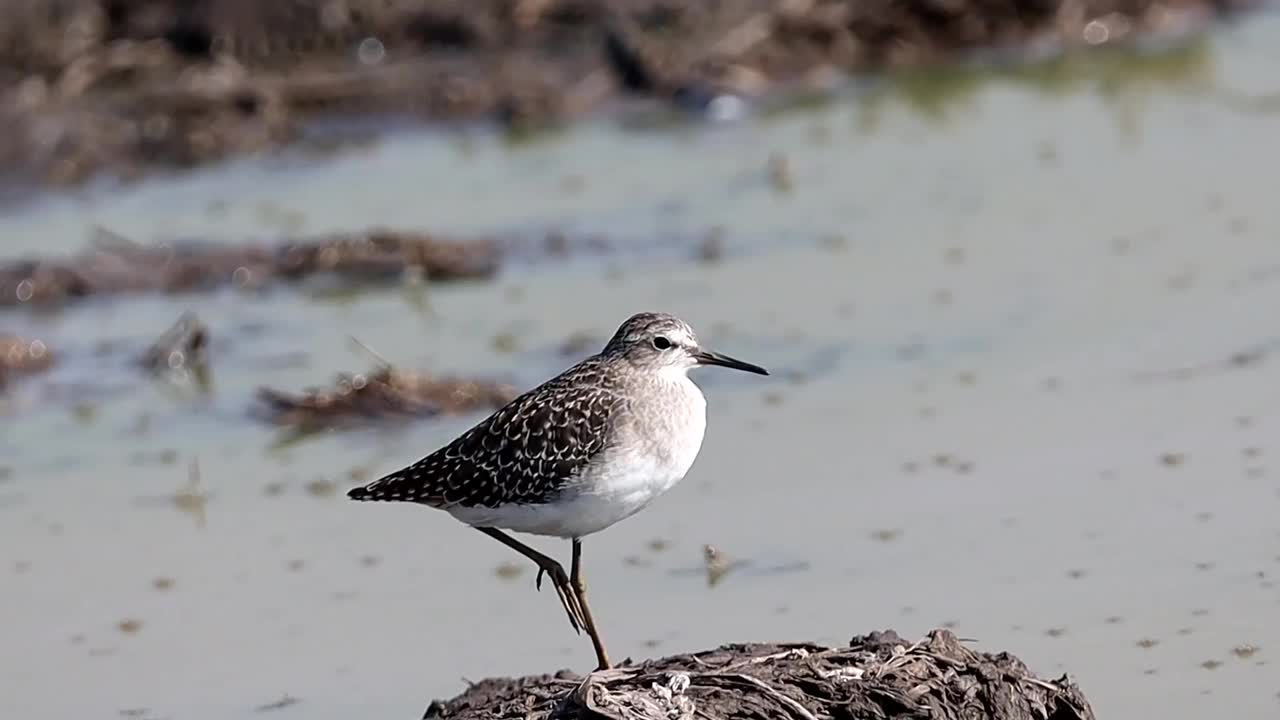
[(114, 265), (128, 87), (877, 676)]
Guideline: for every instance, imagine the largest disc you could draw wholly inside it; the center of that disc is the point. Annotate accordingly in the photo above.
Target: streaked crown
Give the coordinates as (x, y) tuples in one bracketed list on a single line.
[(650, 335)]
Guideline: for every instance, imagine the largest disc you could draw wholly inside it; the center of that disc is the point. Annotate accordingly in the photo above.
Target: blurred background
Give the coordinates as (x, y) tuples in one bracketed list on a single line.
[(1014, 265)]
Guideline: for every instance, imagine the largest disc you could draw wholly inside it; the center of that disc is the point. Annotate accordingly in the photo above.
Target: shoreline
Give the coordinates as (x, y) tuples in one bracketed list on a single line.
[(104, 91)]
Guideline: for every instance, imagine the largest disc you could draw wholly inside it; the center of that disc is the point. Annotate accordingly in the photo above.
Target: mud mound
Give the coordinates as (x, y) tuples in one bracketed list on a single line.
[(878, 676)]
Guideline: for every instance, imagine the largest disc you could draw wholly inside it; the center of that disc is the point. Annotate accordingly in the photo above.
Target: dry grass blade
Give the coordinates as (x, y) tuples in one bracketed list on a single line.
[(791, 704)]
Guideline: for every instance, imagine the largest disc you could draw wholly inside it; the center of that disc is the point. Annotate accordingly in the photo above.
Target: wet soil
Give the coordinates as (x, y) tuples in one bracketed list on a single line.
[(130, 87), (877, 676)]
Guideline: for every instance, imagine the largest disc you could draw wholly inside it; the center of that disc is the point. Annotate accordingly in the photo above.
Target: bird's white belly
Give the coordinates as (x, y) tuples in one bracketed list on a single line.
[(619, 484), (603, 497)]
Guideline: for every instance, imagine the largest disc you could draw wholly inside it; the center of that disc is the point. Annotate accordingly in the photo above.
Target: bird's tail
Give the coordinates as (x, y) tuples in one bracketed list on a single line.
[(365, 492), (380, 489), (399, 486)]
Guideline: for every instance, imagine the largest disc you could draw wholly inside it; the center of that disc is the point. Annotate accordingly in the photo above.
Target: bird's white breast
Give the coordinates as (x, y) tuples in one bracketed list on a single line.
[(655, 444), (658, 446)]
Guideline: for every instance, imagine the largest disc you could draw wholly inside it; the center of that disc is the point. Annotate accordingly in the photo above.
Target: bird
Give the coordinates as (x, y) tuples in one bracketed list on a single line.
[(584, 450)]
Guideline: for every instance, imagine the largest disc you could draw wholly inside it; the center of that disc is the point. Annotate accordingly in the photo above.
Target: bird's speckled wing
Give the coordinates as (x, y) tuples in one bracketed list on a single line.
[(525, 453)]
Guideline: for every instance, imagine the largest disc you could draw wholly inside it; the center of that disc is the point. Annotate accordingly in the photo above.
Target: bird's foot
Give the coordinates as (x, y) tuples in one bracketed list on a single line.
[(568, 598)]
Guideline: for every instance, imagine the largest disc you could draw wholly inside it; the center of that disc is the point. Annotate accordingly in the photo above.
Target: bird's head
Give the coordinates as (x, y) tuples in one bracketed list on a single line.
[(660, 341)]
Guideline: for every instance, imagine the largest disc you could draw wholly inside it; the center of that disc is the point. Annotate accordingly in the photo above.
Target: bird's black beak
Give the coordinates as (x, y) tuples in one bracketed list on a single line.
[(706, 357)]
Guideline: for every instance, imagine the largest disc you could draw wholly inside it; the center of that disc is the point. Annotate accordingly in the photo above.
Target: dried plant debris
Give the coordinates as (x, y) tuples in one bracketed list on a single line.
[(134, 87), (182, 348), (22, 356), (385, 393), (877, 676), (114, 265), (387, 255)]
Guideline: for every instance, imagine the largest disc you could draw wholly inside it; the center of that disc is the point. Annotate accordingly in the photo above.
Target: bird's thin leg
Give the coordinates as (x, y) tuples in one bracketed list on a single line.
[(580, 587), (555, 570)]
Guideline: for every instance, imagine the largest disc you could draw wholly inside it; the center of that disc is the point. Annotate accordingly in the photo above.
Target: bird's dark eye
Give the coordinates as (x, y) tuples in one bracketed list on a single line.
[(661, 343)]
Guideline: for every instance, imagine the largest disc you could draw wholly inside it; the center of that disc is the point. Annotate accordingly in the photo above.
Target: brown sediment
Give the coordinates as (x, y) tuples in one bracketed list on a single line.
[(115, 265), (386, 393), (93, 85), (877, 676)]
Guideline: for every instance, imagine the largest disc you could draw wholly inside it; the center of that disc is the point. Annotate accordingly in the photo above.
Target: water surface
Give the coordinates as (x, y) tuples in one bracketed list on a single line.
[(1022, 333)]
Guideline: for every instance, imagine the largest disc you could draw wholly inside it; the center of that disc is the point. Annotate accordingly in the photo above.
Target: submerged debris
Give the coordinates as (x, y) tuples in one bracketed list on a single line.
[(877, 676), (115, 265), (191, 499), (1242, 359), (385, 393), (285, 701), (716, 564)]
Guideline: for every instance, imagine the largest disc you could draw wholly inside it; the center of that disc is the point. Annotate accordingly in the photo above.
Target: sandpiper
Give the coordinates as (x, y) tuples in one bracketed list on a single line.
[(582, 451)]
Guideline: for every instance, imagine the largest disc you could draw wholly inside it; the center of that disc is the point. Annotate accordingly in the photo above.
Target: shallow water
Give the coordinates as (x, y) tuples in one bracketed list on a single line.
[(1006, 314)]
